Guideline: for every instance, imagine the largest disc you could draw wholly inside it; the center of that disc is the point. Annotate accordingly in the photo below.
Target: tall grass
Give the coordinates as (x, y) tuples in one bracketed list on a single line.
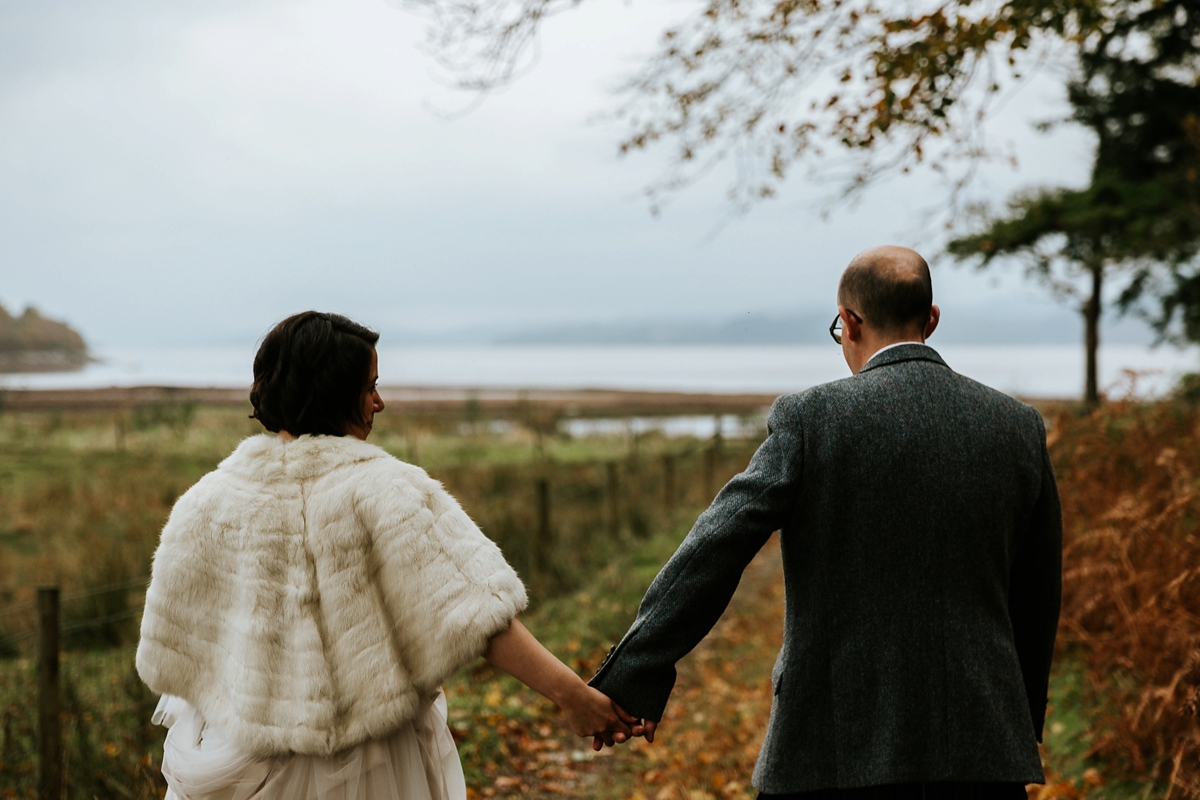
[(83, 498)]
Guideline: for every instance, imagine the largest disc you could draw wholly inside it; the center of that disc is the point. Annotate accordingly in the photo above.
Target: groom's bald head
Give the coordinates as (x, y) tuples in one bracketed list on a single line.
[(889, 287)]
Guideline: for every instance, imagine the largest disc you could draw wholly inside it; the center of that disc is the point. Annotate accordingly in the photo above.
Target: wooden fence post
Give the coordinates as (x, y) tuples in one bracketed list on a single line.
[(668, 461), (614, 509), (543, 529), (50, 754), (710, 472)]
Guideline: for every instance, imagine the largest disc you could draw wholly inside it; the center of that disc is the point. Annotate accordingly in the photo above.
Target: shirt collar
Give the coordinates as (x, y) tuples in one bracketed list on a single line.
[(885, 348)]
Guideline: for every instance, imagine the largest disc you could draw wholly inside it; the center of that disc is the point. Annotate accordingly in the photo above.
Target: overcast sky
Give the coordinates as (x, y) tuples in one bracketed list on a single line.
[(190, 173)]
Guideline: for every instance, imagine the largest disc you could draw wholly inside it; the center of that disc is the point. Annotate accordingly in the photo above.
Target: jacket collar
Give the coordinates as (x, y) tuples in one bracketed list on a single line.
[(901, 353), (268, 458)]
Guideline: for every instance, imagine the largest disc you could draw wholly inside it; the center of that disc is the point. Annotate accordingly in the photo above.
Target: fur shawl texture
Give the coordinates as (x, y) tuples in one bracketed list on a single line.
[(307, 596)]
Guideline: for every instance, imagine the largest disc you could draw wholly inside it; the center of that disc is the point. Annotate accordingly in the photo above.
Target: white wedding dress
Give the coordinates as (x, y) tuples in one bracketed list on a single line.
[(417, 762)]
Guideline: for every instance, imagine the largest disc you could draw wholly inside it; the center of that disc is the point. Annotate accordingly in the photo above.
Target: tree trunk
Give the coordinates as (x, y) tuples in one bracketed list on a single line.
[(1091, 318)]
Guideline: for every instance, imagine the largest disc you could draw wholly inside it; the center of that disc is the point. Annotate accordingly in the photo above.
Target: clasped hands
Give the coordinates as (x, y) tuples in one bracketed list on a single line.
[(590, 712)]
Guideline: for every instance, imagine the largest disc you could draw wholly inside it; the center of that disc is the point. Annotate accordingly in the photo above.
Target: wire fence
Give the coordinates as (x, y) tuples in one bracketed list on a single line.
[(550, 518), (556, 521), (81, 594), (11, 640), (112, 587)]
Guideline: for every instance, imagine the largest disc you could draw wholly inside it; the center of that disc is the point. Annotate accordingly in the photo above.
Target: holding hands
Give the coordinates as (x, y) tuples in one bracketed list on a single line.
[(639, 727), (591, 713), (588, 712)]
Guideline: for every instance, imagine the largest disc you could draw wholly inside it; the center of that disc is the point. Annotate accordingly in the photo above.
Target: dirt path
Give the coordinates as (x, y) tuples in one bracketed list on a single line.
[(714, 723)]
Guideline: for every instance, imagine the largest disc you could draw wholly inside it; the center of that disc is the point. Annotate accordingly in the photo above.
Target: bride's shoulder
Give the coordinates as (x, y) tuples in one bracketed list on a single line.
[(376, 461), (373, 472)]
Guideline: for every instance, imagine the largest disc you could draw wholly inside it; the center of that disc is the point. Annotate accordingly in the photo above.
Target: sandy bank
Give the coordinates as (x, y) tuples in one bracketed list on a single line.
[(412, 399)]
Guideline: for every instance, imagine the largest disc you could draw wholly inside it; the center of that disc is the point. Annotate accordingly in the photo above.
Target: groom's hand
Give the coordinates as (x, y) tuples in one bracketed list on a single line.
[(639, 727)]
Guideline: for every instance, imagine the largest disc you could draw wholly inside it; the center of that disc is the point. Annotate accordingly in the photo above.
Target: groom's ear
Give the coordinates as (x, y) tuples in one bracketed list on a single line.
[(935, 316), (851, 327)]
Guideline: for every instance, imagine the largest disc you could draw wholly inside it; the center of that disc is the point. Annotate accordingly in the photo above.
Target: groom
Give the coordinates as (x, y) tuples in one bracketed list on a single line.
[(922, 547)]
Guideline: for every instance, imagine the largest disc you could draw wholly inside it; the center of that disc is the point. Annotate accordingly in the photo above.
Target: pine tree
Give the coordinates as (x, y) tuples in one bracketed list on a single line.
[(1137, 89)]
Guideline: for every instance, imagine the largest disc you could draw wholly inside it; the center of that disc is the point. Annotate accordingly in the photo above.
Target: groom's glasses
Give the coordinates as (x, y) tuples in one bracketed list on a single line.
[(835, 329)]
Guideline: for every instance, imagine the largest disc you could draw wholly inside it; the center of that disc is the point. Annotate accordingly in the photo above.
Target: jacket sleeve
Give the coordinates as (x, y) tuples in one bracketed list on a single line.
[(692, 591), (446, 587), (1035, 591)]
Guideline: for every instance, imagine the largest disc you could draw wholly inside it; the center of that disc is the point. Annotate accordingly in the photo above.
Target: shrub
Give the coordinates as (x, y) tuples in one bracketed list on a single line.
[(1131, 585)]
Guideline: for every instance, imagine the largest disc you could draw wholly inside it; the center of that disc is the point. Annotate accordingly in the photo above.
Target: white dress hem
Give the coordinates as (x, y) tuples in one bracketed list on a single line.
[(416, 762)]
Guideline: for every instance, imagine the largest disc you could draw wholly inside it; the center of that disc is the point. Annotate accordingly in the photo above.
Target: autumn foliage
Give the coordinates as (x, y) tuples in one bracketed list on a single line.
[(1128, 476)]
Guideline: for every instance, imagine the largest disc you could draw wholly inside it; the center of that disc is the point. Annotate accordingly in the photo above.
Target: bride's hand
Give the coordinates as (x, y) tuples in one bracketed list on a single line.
[(590, 713)]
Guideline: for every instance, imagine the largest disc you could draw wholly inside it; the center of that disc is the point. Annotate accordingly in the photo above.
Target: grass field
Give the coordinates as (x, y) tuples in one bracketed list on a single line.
[(83, 495)]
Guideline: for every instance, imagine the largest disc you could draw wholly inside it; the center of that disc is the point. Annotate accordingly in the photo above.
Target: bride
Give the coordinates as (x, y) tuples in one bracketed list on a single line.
[(310, 595)]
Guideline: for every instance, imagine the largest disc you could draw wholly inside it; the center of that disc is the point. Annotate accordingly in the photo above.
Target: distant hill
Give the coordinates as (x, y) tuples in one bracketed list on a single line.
[(977, 324), (33, 343), (746, 329)]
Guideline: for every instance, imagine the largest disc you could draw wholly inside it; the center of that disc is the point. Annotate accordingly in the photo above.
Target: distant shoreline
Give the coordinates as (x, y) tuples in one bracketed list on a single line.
[(409, 399), (41, 361), (620, 377)]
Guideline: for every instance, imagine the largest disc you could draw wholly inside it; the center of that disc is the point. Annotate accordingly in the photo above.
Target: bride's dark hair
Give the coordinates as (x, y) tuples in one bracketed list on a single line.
[(310, 374)]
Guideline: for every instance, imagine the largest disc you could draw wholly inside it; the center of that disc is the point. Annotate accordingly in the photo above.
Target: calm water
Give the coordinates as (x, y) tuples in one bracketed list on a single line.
[(1032, 371)]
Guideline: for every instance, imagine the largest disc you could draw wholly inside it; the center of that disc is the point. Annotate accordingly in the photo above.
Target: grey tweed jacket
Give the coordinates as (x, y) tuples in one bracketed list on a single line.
[(921, 537)]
